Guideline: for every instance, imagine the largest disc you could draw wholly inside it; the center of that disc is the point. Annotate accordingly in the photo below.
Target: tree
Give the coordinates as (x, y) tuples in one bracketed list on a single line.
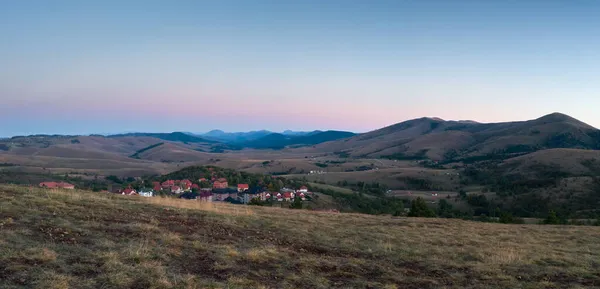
[(399, 211), (296, 204), (444, 209), (419, 208), (552, 219)]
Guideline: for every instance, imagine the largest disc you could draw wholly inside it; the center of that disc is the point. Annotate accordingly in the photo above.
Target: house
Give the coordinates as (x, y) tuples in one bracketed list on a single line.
[(167, 184), (157, 187), (176, 190), (202, 180), (55, 185), (303, 189), (302, 196), (186, 185), (243, 187), (195, 187), (279, 197), (129, 192), (49, 185), (287, 196), (64, 185), (224, 193), (254, 193), (220, 184), (146, 192), (205, 196)]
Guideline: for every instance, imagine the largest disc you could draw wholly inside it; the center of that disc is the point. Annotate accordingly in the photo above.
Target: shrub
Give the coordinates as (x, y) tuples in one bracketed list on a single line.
[(419, 208)]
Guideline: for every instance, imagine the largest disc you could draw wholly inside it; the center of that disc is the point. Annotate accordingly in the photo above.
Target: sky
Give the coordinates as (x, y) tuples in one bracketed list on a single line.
[(82, 67)]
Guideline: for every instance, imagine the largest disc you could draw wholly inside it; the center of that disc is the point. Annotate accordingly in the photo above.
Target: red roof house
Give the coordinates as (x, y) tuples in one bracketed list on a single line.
[(129, 192), (186, 184), (64, 185), (49, 185), (168, 183), (243, 187), (55, 185), (220, 184)]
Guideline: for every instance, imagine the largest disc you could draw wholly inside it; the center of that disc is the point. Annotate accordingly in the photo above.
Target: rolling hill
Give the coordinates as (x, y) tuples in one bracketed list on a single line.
[(437, 139), (234, 137), (174, 136), (279, 141)]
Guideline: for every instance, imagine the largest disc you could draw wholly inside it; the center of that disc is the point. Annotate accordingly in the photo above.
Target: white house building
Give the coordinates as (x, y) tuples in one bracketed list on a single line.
[(146, 193)]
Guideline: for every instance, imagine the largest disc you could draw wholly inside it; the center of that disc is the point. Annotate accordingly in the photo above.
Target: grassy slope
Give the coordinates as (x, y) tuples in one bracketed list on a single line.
[(54, 239)]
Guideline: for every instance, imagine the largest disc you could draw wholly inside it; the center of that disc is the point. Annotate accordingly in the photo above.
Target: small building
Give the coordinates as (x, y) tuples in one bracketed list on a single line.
[(176, 190), (59, 185), (205, 196), (168, 184), (243, 187), (185, 185), (129, 192), (303, 189), (220, 184), (146, 192), (224, 193), (49, 185)]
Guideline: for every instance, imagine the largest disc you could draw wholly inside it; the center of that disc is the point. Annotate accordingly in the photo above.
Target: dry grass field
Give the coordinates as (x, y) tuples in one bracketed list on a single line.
[(78, 239)]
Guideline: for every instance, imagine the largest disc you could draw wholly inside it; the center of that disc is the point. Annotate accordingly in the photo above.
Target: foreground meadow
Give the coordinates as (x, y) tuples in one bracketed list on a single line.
[(77, 239)]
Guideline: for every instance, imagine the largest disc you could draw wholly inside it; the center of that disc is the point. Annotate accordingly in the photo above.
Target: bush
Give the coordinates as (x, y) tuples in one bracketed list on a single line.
[(552, 219), (296, 204), (419, 208)]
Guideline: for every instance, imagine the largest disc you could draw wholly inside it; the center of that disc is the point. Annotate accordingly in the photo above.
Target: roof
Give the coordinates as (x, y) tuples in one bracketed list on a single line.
[(49, 184), (56, 185), (64, 185), (303, 188), (243, 186), (128, 191), (222, 180)]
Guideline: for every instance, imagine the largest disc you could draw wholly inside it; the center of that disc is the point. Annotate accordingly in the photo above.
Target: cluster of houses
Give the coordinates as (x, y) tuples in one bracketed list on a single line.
[(220, 191)]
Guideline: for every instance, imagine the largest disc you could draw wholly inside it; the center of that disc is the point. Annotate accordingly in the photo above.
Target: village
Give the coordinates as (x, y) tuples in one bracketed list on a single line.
[(218, 190)]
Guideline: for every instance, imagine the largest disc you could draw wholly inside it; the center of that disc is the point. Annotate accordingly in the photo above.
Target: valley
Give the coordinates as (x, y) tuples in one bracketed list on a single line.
[(528, 168)]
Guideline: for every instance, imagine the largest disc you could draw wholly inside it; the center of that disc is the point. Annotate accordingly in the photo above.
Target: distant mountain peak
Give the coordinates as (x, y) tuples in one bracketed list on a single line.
[(556, 116)]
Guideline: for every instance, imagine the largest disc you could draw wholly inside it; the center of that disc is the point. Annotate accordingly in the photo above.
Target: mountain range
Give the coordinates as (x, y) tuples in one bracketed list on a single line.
[(242, 137), (439, 140)]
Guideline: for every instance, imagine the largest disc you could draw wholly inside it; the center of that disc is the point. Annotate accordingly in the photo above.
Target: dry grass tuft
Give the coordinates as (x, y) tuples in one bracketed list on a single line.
[(52, 280)]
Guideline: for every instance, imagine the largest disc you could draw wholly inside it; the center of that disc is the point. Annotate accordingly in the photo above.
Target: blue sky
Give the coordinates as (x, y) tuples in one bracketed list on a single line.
[(80, 67)]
